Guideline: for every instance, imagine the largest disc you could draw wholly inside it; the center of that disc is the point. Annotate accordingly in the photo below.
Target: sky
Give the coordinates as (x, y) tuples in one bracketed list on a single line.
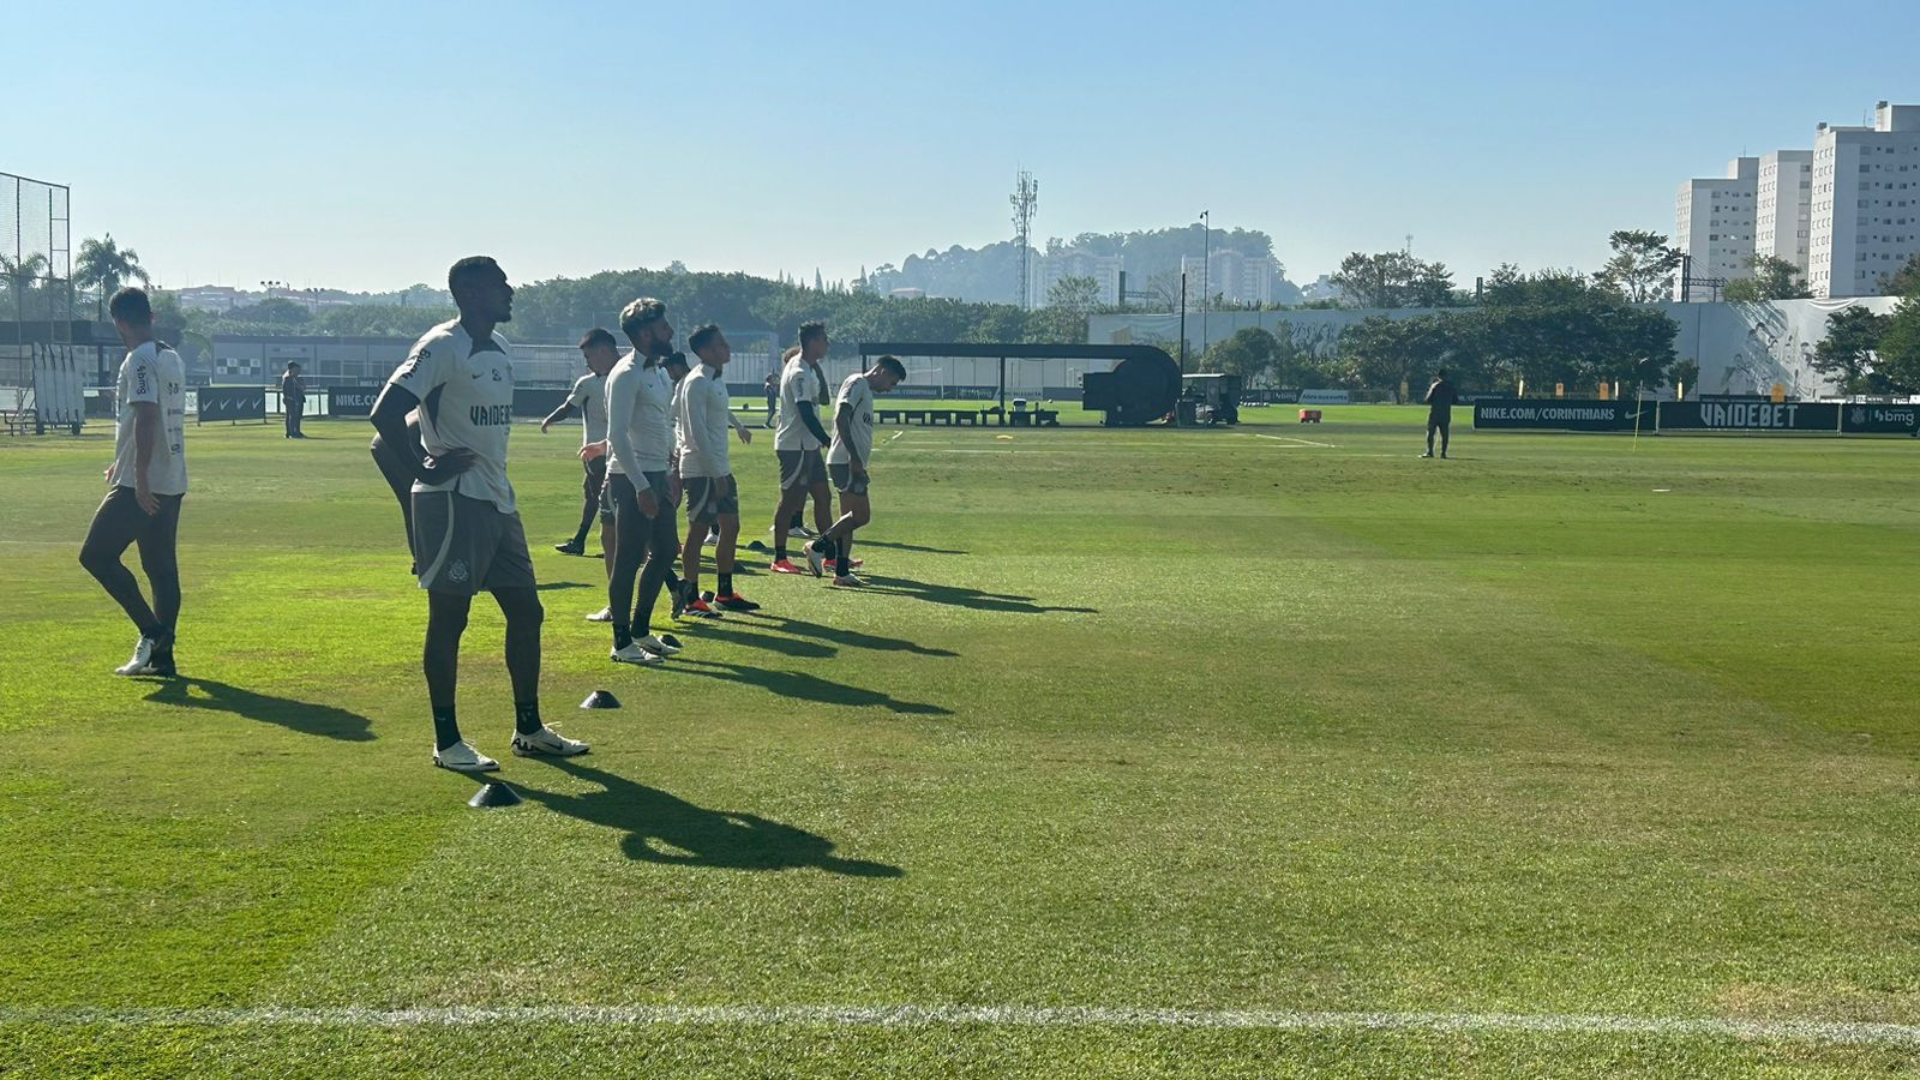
[(367, 145)]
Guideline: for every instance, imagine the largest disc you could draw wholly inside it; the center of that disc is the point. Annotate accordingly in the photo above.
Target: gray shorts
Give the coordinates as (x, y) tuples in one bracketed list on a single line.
[(710, 498), (801, 469), (465, 546), (846, 483), (622, 492)]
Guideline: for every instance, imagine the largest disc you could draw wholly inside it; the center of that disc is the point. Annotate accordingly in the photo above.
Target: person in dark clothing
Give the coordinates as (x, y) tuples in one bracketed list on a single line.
[(1440, 400), (396, 467), (293, 399)]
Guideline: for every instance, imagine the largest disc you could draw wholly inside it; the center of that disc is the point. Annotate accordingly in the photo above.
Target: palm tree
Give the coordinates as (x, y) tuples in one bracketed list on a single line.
[(104, 266), (20, 275)]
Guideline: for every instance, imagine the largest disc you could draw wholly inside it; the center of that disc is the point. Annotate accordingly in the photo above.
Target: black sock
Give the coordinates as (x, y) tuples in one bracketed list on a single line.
[(622, 635), (780, 550), (823, 545), (526, 717), (844, 559), (445, 731), (725, 584)]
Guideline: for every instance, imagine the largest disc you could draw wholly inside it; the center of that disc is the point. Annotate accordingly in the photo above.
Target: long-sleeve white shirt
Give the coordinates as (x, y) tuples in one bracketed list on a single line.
[(639, 418), (705, 416)]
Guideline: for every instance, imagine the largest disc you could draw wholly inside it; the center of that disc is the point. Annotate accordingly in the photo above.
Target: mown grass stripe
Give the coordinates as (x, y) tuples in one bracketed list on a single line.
[(1799, 1031)]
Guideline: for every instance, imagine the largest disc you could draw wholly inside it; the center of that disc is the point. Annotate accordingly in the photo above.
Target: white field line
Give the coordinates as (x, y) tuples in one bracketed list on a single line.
[(1797, 1031), (1300, 442)]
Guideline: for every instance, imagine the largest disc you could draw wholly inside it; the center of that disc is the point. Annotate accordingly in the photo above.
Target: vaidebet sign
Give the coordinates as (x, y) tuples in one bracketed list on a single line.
[(1765, 416), (1560, 414)]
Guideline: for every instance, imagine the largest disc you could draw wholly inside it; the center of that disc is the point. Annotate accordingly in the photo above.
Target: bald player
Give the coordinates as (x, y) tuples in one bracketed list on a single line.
[(467, 535)]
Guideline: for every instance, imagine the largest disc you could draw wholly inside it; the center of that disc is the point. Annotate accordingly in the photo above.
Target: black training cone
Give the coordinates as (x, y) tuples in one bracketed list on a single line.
[(493, 796), (601, 699), (756, 546)]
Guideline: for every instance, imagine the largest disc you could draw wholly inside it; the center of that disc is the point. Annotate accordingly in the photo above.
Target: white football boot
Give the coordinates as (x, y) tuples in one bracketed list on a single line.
[(461, 757), (657, 647), (142, 658), (547, 743), (634, 654)]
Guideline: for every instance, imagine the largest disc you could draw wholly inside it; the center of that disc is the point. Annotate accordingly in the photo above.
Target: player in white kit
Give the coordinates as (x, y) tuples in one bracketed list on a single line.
[(589, 395), (467, 535), (704, 414), (146, 484), (847, 461), (640, 444)]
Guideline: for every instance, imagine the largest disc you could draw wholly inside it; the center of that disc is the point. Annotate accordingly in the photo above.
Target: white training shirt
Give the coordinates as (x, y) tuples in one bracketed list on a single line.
[(639, 417), (704, 412), (679, 420), (797, 384), (152, 374), (855, 401), (590, 397), (466, 403)]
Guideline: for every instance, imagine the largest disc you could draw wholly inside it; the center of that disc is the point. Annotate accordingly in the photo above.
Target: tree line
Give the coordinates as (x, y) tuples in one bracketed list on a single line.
[(1544, 327)]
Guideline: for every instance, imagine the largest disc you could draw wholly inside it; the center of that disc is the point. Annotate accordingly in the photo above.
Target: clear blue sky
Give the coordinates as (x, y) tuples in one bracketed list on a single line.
[(365, 145)]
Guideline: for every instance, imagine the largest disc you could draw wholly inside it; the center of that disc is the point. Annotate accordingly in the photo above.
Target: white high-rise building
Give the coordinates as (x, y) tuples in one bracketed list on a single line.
[(1783, 215), (1866, 203), (1715, 226), (1231, 276), (1105, 270)]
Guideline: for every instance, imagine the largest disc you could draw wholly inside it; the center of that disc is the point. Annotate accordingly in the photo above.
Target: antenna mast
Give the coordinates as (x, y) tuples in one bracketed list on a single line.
[(1025, 200)]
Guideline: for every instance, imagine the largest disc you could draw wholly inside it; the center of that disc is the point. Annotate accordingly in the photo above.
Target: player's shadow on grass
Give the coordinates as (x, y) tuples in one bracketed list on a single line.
[(961, 596), (760, 546), (786, 646), (894, 546), (852, 639), (301, 716), (550, 586), (801, 686), (666, 829)]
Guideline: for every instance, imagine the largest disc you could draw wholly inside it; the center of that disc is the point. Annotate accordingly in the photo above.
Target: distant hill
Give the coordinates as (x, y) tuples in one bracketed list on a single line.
[(988, 275), (992, 273)]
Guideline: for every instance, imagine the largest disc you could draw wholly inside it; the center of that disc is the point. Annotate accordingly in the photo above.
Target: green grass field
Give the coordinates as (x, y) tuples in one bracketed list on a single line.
[(1342, 758)]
